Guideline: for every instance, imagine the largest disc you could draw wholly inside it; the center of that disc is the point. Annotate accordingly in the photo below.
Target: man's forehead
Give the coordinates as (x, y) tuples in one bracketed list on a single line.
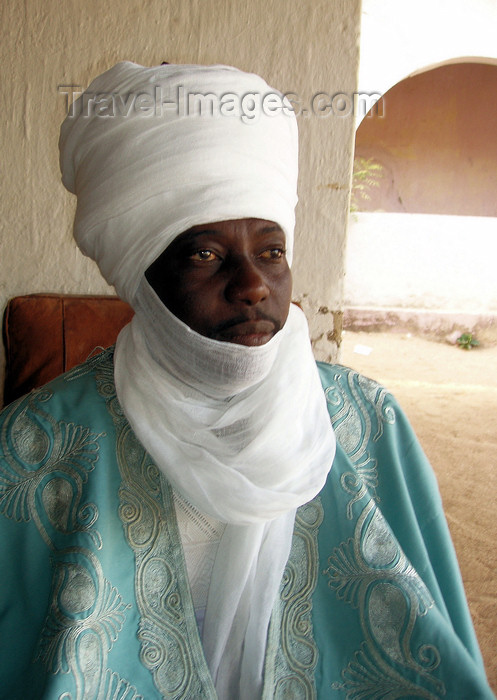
[(257, 226)]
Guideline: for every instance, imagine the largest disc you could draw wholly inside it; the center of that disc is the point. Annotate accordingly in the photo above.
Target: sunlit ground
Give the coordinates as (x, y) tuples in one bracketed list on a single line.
[(450, 397)]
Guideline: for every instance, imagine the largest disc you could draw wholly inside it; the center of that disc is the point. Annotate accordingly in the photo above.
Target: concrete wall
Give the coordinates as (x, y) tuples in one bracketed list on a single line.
[(435, 135), (305, 48), (422, 261)]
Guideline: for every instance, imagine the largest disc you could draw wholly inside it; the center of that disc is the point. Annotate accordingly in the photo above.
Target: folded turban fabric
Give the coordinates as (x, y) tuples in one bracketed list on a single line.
[(142, 144)]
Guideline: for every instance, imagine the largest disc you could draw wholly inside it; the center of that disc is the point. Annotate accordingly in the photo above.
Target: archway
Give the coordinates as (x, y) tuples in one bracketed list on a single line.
[(429, 219), (436, 140)]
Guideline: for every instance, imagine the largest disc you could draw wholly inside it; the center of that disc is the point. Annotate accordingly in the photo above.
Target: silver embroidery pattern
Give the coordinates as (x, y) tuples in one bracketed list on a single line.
[(292, 651), (355, 426), (85, 617), (44, 468), (370, 572), (170, 645)]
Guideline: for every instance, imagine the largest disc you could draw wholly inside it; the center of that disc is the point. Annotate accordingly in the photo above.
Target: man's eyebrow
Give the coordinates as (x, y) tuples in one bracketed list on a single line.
[(191, 235), (271, 229)]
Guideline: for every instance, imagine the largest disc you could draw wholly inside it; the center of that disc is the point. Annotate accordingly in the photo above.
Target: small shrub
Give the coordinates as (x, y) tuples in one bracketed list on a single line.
[(366, 175), (467, 341)]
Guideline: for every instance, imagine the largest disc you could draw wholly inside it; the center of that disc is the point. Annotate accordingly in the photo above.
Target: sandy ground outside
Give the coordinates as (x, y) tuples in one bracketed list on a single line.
[(450, 397)]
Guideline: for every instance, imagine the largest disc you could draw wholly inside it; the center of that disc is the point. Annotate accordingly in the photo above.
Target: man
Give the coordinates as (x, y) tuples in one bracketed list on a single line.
[(180, 520)]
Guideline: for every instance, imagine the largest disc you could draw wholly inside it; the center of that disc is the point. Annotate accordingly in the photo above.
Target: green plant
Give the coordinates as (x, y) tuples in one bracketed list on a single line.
[(467, 341), (366, 174)]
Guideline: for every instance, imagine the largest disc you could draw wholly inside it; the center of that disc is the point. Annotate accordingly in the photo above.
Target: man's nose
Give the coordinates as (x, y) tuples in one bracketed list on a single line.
[(246, 284)]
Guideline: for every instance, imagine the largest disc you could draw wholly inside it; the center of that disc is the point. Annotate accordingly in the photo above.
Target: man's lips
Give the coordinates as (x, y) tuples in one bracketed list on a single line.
[(246, 332)]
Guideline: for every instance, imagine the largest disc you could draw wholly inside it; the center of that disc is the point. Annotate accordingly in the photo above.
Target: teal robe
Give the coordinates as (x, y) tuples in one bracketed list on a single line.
[(95, 601)]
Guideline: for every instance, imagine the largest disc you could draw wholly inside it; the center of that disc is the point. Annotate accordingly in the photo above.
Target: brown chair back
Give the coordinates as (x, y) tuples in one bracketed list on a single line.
[(48, 334)]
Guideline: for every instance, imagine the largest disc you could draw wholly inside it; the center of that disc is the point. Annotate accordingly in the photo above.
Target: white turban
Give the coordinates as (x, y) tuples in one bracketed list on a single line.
[(151, 152)]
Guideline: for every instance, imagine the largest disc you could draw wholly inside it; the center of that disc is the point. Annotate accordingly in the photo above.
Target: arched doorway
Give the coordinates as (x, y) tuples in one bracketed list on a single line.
[(437, 142), (429, 219)]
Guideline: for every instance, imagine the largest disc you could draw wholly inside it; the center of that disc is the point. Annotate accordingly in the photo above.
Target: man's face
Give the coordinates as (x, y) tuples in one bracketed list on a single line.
[(227, 280)]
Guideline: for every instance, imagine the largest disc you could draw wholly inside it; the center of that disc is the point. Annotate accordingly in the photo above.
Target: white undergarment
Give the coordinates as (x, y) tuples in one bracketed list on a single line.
[(200, 536)]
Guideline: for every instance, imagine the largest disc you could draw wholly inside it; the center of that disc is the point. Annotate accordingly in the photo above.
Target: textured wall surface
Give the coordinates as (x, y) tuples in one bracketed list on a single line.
[(436, 140), (422, 261), (303, 49)]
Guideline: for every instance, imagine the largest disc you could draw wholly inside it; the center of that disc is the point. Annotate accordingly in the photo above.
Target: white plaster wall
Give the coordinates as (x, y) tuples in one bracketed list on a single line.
[(304, 48), (422, 261), (401, 37)]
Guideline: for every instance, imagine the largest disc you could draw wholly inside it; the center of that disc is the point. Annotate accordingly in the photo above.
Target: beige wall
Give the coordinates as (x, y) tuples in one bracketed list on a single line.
[(435, 135), (306, 48), (440, 263)]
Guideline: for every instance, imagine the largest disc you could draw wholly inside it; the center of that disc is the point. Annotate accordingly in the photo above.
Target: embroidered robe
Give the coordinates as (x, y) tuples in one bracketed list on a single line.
[(95, 602)]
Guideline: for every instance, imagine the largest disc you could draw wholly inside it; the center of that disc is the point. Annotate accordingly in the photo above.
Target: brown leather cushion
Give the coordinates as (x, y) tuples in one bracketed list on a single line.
[(47, 334)]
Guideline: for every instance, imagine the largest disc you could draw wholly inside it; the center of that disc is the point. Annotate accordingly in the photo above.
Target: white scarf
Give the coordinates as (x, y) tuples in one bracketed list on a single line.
[(248, 457)]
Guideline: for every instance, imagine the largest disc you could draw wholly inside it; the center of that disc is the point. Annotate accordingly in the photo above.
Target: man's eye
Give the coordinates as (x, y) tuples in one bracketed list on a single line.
[(273, 254), (202, 255)]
